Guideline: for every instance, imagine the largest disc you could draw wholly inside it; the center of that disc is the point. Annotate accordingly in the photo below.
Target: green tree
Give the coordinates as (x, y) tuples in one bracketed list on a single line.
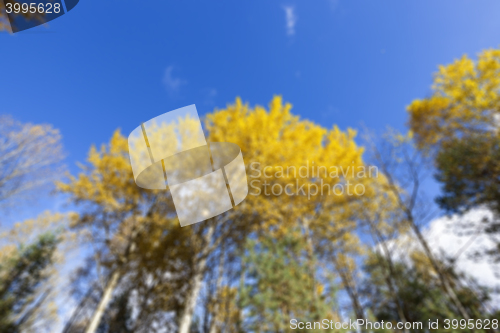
[(127, 225), (469, 170), (419, 292), (458, 125), (20, 275), (30, 156), (405, 168), (278, 286)]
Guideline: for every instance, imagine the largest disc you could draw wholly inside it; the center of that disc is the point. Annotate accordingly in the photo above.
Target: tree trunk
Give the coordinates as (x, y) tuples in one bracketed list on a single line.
[(408, 211), (103, 303), (350, 289), (444, 280), (310, 260), (199, 272), (215, 313), (390, 275), (78, 310)]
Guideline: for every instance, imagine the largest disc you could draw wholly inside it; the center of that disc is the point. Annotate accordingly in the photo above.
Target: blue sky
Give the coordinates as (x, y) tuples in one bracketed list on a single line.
[(117, 63)]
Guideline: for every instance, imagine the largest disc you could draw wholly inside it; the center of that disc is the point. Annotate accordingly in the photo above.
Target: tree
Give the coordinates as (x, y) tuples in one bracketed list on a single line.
[(419, 292), (119, 216), (276, 145), (470, 173), (31, 253), (20, 275), (382, 220), (30, 157), (458, 125), (324, 218), (465, 100), (405, 169), (278, 285), (118, 316)]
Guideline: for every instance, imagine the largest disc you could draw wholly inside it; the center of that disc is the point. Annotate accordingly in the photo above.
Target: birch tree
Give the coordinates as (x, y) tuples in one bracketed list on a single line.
[(405, 169), (117, 214), (30, 157), (459, 125)]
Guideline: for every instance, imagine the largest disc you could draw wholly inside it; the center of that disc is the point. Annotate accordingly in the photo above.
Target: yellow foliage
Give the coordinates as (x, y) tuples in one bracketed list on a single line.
[(465, 99), (277, 144), (276, 140), (108, 182), (27, 231)]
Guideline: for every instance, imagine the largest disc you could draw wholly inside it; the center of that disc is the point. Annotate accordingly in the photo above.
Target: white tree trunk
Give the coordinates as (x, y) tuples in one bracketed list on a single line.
[(215, 313), (187, 315), (103, 303), (199, 272)]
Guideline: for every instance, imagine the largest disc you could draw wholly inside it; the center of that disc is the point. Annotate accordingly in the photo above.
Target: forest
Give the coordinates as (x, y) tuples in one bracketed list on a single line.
[(290, 252)]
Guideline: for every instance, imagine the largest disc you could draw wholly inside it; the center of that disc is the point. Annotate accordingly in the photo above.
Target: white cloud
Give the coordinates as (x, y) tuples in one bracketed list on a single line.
[(444, 240), (291, 19), (172, 84)]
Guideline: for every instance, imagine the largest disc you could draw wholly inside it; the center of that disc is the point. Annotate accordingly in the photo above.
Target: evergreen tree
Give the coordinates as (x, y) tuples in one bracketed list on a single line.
[(458, 124), (278, 285), (20, 275), (419, 293), (469, 171)]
